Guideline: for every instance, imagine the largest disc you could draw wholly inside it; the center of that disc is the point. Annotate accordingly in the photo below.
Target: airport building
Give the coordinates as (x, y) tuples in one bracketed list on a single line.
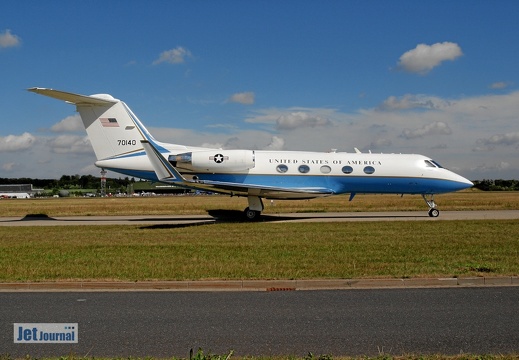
[(18, 191)]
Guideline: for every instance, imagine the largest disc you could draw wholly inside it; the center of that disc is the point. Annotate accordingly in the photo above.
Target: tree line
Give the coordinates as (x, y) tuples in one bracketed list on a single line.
[(74, 183), (497, 185)]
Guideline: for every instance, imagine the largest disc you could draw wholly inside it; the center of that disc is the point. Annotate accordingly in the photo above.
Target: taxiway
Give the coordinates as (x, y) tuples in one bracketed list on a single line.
[(354, 322), (231, 216)]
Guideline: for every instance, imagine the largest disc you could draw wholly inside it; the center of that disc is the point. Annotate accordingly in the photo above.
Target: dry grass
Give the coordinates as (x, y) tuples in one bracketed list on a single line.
[(194, 205), (261, 251)]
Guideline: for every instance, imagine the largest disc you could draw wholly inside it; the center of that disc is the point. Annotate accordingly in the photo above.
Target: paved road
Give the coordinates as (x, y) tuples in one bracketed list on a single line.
[(226, 216), (351, 322)]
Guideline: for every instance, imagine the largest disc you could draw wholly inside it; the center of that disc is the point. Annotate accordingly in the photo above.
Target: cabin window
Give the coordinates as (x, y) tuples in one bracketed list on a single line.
[(347, 169), (369, 170), (282, 168), (303, 169), (325, 169)]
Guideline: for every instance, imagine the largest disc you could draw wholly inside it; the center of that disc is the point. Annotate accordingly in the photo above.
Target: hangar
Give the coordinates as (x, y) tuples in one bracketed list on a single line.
[(18, 191)]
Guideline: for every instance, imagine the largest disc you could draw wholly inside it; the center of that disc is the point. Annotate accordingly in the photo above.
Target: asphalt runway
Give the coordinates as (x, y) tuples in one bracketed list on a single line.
[(351, 322), (233, 216)]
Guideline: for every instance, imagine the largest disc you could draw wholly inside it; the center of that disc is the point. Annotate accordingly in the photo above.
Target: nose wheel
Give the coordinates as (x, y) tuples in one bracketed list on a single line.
[(433, 211)]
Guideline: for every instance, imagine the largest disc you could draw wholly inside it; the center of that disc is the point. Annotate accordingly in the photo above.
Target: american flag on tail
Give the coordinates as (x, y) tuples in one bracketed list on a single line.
[(109, 122)]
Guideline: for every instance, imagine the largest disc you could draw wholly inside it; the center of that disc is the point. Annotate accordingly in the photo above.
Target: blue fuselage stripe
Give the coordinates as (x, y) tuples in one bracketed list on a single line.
[(344, 184), (336, 184)]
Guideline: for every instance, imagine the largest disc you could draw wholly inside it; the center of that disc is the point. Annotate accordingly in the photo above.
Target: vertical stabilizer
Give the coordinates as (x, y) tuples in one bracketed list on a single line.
[(111, 130), (111, 126)]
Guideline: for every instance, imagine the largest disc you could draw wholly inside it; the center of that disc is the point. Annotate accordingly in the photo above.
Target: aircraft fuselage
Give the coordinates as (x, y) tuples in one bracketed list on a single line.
[(327, 173)]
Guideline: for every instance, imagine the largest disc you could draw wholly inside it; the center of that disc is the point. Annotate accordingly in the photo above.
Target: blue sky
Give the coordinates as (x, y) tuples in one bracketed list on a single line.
[(434, 78)]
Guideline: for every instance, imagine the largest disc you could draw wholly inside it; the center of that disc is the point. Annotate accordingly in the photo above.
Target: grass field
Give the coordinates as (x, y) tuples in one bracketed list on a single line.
[(261, 251), (258, 250)]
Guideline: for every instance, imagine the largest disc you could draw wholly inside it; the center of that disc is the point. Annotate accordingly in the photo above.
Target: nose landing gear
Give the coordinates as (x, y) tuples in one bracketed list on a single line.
[(433, 211)]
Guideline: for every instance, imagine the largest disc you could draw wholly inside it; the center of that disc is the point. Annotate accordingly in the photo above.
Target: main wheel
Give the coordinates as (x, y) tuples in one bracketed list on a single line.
[(252, 215), (434, 212)]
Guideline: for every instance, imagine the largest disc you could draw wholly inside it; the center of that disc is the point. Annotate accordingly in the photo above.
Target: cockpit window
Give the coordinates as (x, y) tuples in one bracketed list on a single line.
[(432, 163), (435, 163)]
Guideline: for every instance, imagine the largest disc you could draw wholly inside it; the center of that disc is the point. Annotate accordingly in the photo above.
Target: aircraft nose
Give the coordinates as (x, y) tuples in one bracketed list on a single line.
[(463, 182)]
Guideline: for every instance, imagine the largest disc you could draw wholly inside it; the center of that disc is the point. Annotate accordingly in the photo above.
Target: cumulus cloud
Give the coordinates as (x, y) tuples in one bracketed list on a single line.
[(71, 123), (40, 160), (177, 55), (300, 119), (277, 143), (500, 85), (232, 143), (221, 126), (212, 145), (8, 166), (380, 143), (423, 58), (490, 143), (9, 40), (410, 101), (70, 144), (485, 168), (436, 128), (503, 139), (245, 98), (13, 143)]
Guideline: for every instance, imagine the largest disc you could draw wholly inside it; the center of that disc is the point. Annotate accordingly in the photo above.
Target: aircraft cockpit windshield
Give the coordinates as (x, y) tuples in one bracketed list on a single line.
[(432, 163)]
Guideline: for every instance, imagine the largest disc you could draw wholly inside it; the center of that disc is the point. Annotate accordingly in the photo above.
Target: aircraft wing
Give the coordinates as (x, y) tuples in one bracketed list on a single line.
[(168, 173), (268, 189)]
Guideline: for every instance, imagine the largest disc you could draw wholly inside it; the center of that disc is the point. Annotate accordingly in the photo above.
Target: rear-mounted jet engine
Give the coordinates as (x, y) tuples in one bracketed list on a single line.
[(214, 160)]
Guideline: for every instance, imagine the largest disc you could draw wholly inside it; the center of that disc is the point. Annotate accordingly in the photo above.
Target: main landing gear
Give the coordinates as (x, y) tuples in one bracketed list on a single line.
[(253, 212), (433, 212)]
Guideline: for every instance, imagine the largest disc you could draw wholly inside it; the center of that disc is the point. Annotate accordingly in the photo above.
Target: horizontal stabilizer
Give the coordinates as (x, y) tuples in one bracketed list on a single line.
[(75, 98)]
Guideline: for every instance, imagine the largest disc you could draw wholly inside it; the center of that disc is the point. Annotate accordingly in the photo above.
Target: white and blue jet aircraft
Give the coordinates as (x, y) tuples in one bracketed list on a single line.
[(122, 144)]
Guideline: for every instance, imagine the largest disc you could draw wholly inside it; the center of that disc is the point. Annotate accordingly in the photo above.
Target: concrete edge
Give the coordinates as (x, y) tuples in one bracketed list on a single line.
[(258, 285)]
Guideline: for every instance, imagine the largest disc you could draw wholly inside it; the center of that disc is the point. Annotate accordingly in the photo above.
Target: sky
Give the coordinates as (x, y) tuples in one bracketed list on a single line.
[(437, 78)]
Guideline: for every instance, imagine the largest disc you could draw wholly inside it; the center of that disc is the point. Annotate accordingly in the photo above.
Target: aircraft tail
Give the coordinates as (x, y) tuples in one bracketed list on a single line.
[(113, 129)]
